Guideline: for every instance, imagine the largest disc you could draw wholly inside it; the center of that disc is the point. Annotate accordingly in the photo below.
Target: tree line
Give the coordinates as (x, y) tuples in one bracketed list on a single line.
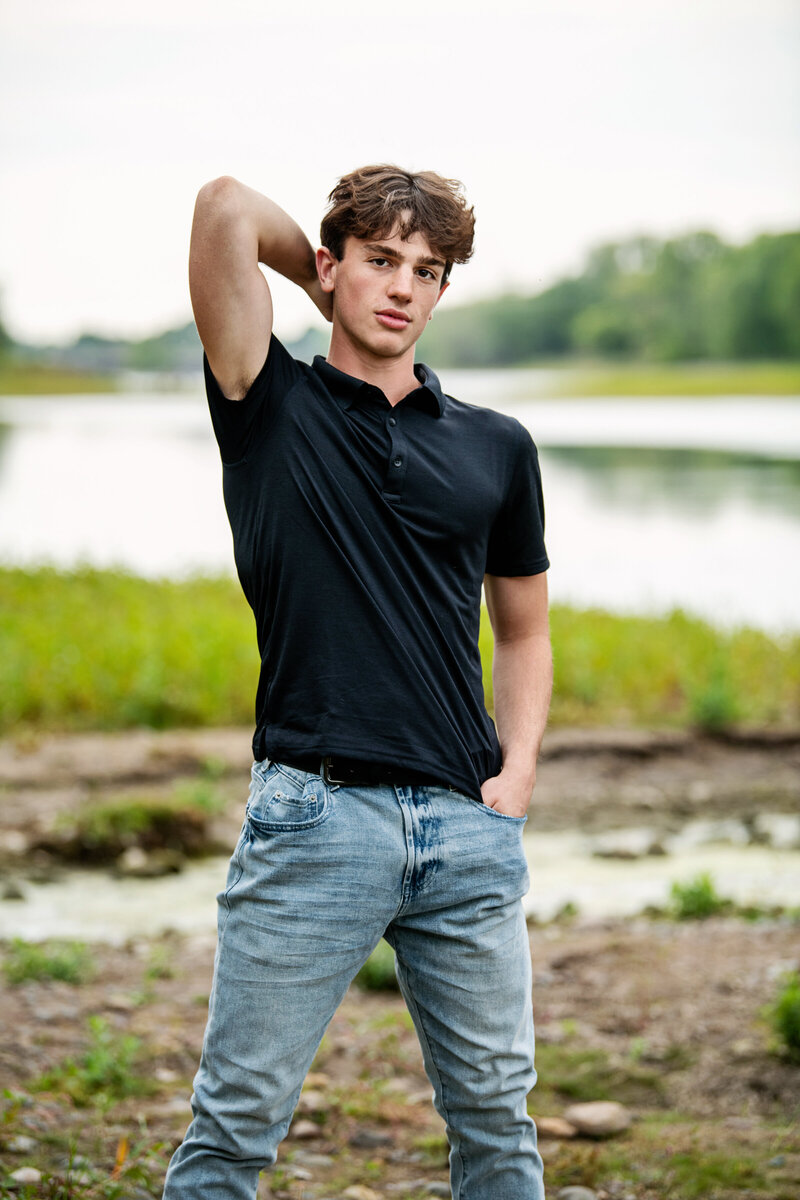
[(687, 298)]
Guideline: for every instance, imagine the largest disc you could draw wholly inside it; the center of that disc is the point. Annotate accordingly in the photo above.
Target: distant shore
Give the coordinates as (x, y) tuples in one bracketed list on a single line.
[(566, 378)]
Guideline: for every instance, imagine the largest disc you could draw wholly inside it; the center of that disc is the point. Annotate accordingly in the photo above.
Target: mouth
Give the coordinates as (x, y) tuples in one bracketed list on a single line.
[(392, 318)]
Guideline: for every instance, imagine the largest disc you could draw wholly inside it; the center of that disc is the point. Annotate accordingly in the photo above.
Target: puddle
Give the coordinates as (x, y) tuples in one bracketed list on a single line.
[(94, 906)]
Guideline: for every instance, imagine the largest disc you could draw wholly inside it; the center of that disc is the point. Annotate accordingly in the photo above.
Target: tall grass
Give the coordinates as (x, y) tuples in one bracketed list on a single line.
[(106, 650)]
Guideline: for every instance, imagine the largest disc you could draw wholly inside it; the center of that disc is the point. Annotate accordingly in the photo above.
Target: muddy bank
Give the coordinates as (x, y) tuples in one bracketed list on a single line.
[(664, 1019), (588, 779)]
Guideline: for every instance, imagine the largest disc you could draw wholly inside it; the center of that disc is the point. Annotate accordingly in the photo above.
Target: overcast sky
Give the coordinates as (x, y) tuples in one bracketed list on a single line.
[(570, 122)]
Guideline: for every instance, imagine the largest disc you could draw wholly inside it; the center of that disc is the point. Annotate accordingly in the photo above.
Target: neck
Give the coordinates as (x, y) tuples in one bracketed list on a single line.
[(394, 376)]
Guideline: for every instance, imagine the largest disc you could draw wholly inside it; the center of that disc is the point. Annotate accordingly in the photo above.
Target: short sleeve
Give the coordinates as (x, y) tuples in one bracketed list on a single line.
[(516, 541), (240, 424)]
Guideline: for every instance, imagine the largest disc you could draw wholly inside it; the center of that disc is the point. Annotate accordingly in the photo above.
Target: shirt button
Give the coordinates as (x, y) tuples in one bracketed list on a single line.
[(392, 420), (398, 462)]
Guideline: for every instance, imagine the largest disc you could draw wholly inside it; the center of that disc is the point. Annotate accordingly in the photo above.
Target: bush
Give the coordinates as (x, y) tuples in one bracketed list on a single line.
[(69, 962), (696, 899), (378, 973), (784, 1016)]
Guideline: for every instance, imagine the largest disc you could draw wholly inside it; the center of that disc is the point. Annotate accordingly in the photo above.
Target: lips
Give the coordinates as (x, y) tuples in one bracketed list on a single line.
[(392, 318)]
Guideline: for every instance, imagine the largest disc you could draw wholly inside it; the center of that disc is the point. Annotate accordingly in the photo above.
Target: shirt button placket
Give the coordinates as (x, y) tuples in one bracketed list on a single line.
[(395, 475)]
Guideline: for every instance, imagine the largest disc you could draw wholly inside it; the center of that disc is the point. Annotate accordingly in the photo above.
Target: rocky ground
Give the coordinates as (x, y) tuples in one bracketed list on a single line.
[(663, 1018)]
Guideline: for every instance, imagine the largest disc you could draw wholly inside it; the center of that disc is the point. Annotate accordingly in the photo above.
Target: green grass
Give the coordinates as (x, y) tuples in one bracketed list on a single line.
[(784, 1016), (97, 831), (696, 899), (107, 1072), (570, 1073), (378, 973), (680, 379), (69, 962), (107, 650), (33, 379)]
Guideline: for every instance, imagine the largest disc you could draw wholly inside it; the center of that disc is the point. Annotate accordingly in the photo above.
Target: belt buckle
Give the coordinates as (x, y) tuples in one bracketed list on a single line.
[(326, 771)]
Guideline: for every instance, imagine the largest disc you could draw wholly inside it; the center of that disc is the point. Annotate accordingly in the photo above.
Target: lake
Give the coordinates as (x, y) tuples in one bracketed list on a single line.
[(651, 503)]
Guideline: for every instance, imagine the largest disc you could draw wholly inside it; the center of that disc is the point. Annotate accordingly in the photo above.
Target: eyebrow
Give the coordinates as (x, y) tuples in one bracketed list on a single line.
[(388, 252)]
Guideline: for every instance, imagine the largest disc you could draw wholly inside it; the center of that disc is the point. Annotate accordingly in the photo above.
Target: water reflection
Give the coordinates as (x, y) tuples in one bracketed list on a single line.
[(692, 482)]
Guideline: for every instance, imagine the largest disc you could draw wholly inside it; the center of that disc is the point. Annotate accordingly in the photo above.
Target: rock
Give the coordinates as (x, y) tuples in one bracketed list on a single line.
[(628, 844), (576, 1193), (317, 1079), (304, 1130), (438, 1189), (21, 1144), (312, 1102), (598, 1118), (359, 1192), (299, 1173), (136, 863), (12, 891), (309, 1159), (370, 1139), (555, 1127), (27, 1175), (779, 830), (13, 843)]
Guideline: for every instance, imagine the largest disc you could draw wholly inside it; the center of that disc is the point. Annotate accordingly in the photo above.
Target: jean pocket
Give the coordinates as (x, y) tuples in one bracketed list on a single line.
[(284, 800), (498, 816)]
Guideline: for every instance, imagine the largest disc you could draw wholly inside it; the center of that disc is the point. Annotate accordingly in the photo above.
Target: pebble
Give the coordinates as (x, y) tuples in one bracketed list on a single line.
[(438, 1189), (555, 1127), (312, 1102), (369, 1139), (22, 1144), (576, 1193), (27, 1175), (309, 1159), (304, 1130), (359, 1192), (598, 1118)]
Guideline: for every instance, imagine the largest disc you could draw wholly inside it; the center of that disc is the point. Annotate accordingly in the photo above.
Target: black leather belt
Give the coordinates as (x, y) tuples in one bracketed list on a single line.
[(354, 772)]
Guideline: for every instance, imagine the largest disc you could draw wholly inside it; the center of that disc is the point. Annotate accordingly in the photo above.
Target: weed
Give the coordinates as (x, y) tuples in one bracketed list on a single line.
[(69, 962), (696, 899), (159, 963), (784, 1016), (589, 1074), (105, 1073), (713, 704), (434, 1148), (378, 973)]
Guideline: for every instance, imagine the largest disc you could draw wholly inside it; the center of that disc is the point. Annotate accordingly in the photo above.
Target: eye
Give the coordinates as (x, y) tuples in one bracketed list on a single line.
[(379, 262), (426, 273)]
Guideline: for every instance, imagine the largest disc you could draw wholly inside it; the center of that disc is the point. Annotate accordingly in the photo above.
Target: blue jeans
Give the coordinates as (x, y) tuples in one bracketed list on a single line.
[(319, 875)]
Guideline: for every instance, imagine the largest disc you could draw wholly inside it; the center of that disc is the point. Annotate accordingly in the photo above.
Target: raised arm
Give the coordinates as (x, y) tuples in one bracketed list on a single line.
[(522, 673), (234, 229)]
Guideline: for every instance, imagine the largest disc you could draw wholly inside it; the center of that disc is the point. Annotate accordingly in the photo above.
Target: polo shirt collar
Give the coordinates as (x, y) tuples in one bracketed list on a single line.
[(349, 391)]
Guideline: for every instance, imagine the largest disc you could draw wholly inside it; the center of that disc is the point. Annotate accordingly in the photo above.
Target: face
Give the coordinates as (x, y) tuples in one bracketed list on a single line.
[(384, 291)]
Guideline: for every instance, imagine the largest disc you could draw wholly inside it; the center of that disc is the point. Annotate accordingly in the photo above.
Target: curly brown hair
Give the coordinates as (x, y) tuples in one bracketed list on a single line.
[(373, 201)]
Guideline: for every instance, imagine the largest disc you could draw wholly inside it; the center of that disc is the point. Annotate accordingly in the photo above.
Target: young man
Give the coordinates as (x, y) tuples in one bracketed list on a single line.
[(367, 507)]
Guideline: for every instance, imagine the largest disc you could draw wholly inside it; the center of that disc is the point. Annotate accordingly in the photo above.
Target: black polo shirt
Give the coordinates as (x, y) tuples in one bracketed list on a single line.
[(361, 534)]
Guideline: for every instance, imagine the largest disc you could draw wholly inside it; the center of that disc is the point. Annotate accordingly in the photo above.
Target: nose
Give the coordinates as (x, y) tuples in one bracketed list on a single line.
[(400, 285)]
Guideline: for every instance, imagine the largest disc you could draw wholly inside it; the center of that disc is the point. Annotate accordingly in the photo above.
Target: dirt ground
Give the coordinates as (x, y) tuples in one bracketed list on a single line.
[(664, 1017)]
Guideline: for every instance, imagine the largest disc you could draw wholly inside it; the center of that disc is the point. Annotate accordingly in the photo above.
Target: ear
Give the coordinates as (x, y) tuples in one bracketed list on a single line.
[(326, 269), (442, 291)]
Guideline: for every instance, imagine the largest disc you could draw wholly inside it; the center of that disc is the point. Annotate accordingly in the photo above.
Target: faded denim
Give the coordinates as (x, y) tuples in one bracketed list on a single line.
[(319, 875)]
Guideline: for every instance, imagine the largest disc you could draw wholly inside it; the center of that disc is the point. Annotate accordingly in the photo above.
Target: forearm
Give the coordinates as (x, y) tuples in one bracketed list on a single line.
[(232, 213), (522, 676)]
